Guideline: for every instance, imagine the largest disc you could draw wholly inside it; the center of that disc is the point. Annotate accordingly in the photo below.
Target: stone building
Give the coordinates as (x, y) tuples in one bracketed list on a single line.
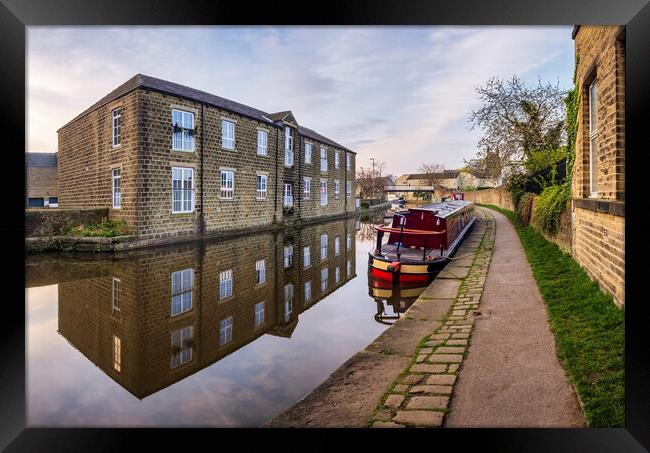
[(598, 185), (41, 180), (155, 319), (172, 160)]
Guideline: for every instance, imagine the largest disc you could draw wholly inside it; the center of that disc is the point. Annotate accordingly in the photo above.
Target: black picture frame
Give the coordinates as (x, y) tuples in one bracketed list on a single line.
[(16, 15)]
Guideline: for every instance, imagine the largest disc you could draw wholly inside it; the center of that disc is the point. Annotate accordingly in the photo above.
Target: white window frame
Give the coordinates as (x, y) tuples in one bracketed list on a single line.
[(116, 128), (288, 146), (324, 244), (337, 246), (348, 188), (227, 191), (323, 160), (225, 330), (115, 294), (349, 268), (117, 353), (337, 274), (337, 160), (185, 354), (593, 142), (288, 301), (306, 191), (308, 153), (307, 291), (262, 182), (187, 142), (348, 161), (227, 141), (184, 288), (183, 190), (116, 183), (260, 313), (348, 241), (226, 284), (323, 193), (324, 277), (287, 195), (306, 257), (337, 189), (288, 255), (260, 271), (262, 142)]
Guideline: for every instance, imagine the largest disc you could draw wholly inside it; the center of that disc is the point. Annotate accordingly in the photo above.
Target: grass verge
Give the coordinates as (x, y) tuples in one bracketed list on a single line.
[(589, 328)]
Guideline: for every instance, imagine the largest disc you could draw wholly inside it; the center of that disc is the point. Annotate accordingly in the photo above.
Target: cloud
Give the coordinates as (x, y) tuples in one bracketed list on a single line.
[(399, 94)]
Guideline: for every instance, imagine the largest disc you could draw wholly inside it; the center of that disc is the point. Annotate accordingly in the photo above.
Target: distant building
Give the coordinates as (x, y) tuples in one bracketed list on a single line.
[(41, 176), (445, 180), (598, 184)]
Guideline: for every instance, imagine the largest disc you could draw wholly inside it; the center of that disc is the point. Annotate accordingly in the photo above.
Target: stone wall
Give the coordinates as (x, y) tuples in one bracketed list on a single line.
[(564, 236), (41, 182), (43, 222), (498, 196)]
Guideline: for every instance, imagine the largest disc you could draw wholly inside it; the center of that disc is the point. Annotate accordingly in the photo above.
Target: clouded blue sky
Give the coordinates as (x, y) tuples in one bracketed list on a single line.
[(398, 94)]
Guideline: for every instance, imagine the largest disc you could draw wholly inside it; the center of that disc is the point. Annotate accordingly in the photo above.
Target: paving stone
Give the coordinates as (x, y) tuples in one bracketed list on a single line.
[(456, 342), (428, 402), (437, 389), (465, 322), (460, 335), (394, 400), (439, 336), (450, 350), (383, 415), (445, 358), (401, 388), (434, 342), (386, 425), (453, 368), (427, 368), (412, 378), (426, 350), (419, 418), (421, 358), (441, 379)]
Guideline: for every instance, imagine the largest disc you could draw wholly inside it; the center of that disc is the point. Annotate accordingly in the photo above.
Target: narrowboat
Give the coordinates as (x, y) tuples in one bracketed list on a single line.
[(421, 240)]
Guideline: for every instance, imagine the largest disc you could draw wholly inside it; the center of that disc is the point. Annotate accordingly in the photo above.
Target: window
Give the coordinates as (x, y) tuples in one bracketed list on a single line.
[(182, 190), (182, 346), (288, 147), (261, 187), (337, 246), (308, 291), (259, 314), (306, 188), (323, 159), (260, 269), (54, 200), (593, 139), (337, 188), (35, 202), (227, 184), (225, 330), (348, 188), (337, 274), (116, 295), (323, 246), (323, 193), (323, 279), (349, 268), (262, 142), (308, 153), (306, 254), (348, 163), (225, 284), (117, 188), (117, 354), (227, 134), (288, 301), (337, 160), (182, 285), (288, 255), (348, 241), (288, 195), (182, 130), (117, 127)]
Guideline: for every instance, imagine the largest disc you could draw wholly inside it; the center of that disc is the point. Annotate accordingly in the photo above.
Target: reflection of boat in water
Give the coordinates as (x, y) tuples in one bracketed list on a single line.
[(399, 296), (421, 240)]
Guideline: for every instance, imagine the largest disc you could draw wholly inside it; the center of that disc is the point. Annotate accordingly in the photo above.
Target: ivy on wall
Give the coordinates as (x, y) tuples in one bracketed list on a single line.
[(572, 102), (550, 205)]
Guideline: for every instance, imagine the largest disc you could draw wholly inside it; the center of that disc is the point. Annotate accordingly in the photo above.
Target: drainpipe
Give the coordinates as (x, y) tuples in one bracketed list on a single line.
[(201, 215), (277, 153)]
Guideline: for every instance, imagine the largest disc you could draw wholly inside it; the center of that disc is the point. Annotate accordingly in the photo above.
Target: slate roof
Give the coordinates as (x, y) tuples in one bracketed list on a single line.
[(41, 160), (163, 86), (444, 175)]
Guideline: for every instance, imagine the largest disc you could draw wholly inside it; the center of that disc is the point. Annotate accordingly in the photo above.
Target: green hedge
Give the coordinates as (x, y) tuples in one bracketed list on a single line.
[(550, 205)]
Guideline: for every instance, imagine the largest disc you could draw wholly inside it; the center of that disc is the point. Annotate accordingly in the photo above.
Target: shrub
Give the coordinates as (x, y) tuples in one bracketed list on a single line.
[(524, 208), (550, 205), (104, 228)]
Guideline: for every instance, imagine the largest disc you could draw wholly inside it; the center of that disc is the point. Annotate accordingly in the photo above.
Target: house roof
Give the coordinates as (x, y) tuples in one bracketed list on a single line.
[(163, 86), (41, 159), (446, 174)]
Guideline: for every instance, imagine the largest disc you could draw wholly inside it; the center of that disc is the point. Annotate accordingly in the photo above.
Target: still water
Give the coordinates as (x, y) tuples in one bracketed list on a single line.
[(228, 333)]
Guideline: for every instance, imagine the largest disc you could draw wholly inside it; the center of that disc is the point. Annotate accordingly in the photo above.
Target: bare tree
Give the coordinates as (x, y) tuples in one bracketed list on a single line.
[(518, 120), (488, 165), (432, 172)]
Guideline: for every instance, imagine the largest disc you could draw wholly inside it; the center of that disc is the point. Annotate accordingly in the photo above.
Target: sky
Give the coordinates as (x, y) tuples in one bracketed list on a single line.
[(402, 95)]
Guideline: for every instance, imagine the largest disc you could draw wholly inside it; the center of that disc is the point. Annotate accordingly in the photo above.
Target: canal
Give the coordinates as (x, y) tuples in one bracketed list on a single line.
[(224, 333)]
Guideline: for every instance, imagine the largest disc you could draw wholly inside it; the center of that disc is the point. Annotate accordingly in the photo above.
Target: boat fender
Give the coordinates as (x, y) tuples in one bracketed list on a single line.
[(393, 267)]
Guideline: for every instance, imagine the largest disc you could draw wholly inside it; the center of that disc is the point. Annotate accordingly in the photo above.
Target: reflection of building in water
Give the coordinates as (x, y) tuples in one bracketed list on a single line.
[(398, 296), (161, 317)]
